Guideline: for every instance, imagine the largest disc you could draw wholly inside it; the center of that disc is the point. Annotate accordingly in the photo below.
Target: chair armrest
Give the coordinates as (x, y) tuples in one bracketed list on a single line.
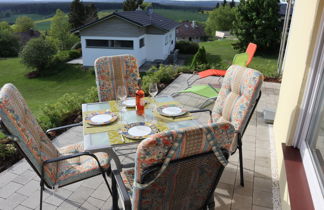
[(122, 189), (203, 110), (65, 157), (64, 127)]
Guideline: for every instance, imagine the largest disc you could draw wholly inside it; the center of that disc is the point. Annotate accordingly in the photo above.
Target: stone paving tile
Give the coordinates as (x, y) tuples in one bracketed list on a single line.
[(19, 167), (93, 182), (33, 199), (101, 192), (6, 177), (19, 207), (241, 202), (69, 205), (93, 203), (13, 201), (81, 194), (260, 208), (7, 190), (29, 188), (47, 206), (58, 198), (262, 198), (25, 177)]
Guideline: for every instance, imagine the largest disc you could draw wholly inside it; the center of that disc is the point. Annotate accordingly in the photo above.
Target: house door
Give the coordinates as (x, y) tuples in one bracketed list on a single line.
[(309, 134)]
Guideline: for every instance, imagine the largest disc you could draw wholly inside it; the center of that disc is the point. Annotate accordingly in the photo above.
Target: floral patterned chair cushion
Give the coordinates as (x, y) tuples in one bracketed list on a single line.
[(187, 143), (240, 89), (19, 120), (112, 71), (34, 143), (78, 168)]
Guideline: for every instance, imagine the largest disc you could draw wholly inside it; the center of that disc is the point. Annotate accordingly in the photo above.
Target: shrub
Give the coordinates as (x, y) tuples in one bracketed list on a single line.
[(65, 110), (9, 44), (65, 55), (7, 151), (38, 53), (23, 23), (220, 19), (186, 47), (199, 58)]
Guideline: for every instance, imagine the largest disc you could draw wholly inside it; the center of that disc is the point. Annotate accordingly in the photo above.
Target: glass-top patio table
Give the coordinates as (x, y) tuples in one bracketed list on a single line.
[(104, 138)]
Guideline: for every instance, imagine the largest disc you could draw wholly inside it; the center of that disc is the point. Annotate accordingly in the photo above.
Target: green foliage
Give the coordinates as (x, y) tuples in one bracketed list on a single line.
[(60, 32), (38, 53), (200, 58), (132, 5), (64, 56), (7, 151), (162, 74), (4, 26), (257, 21), (187, 47), (23, 23), (220, 19), (81, 14), (9, 43), (65, 109)]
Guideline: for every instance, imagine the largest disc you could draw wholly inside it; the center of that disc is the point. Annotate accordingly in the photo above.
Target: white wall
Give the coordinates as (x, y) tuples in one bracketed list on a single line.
[(154, 48), (89, 55)]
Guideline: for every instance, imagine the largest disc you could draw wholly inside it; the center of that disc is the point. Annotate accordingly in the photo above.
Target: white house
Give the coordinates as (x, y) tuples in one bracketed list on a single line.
[(148, 37)]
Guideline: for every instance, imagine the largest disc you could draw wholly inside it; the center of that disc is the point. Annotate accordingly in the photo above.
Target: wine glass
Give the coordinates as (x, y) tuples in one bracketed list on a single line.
[(153, 90), (122, 95)]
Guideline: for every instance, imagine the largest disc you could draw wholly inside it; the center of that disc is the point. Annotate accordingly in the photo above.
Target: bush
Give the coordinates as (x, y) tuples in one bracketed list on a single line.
[(7, 151), (161, 74), (65, 110), (9, 44), (186, 47), (38, 53), (23, 23), (200, 58), (220, 19), (65, 55)]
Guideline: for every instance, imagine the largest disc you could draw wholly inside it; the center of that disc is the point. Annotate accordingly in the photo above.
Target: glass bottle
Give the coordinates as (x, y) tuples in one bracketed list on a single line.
[(140, 99)]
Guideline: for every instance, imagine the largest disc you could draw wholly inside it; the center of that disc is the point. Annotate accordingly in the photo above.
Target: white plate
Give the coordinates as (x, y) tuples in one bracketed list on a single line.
[(140, 130), (130, 102), (172, 110), (101, 118)]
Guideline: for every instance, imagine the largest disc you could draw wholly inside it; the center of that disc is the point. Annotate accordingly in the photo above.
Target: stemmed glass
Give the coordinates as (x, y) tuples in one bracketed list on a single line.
[(153, 91), (122, 95)]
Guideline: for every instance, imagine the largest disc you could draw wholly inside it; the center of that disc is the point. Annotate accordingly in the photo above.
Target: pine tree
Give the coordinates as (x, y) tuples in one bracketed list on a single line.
[(217, 6), (199, 58), (77, 15), (129, 5), (224, 3), (232, 4), (257, 21)]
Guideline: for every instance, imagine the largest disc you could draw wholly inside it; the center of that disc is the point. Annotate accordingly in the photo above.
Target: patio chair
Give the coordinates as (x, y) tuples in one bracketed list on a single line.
[(112, 71), (236, 102), (56, 167), (176, 169)]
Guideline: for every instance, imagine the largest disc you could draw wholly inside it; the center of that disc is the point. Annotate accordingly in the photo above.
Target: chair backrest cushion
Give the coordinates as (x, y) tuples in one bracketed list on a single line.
[(112, 71), (31, 139), (240, 59), (237, 96), (154, 151), (250, 50)]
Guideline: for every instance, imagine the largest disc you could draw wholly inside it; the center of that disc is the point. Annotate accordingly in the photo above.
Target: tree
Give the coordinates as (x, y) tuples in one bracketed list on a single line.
[(23, 23), (77, 14), (224, 3), (4, 26), (38, 54), (217, 6), (9, 43), (59, 32), (199, 58), (232, 4), (220, 19), (132, 5), (81, 14), (257, 21)]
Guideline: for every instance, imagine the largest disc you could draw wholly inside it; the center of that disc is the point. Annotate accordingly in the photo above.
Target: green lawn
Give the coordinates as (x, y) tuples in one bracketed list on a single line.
[(221, 51), (39, 91)]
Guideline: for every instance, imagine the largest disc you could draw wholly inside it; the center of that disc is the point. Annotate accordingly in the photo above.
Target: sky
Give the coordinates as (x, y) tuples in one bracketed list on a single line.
[(97, 0)]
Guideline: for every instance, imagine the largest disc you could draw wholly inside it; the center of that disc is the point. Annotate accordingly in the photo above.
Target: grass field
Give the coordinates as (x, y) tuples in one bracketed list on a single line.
[(39, 91), (222, 51)]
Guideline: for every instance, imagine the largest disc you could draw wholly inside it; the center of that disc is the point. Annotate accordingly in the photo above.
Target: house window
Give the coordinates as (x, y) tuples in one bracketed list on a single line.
[(118, 44), (141, 43), (96, 43)]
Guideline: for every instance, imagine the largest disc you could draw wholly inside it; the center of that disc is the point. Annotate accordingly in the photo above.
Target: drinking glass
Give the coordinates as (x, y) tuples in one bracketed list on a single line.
[(153, 91), (122, 95)]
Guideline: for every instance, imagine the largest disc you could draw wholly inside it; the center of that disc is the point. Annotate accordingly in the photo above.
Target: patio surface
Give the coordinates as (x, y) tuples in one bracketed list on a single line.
[(19, 185)]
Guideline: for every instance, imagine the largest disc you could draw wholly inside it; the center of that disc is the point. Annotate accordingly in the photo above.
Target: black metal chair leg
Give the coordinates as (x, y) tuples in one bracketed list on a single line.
[(41, 194), (105, 178), (239, 141), (115, 193)]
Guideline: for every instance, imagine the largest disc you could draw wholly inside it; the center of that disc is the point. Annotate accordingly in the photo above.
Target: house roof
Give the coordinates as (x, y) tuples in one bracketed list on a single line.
[(190, 29), (140, 18)]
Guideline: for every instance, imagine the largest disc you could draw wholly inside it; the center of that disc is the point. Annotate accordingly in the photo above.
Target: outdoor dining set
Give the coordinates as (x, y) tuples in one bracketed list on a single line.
[(178, 160)]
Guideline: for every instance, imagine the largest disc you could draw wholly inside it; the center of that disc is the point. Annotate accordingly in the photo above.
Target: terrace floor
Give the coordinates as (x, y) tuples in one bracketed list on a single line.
[(19, 185)]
